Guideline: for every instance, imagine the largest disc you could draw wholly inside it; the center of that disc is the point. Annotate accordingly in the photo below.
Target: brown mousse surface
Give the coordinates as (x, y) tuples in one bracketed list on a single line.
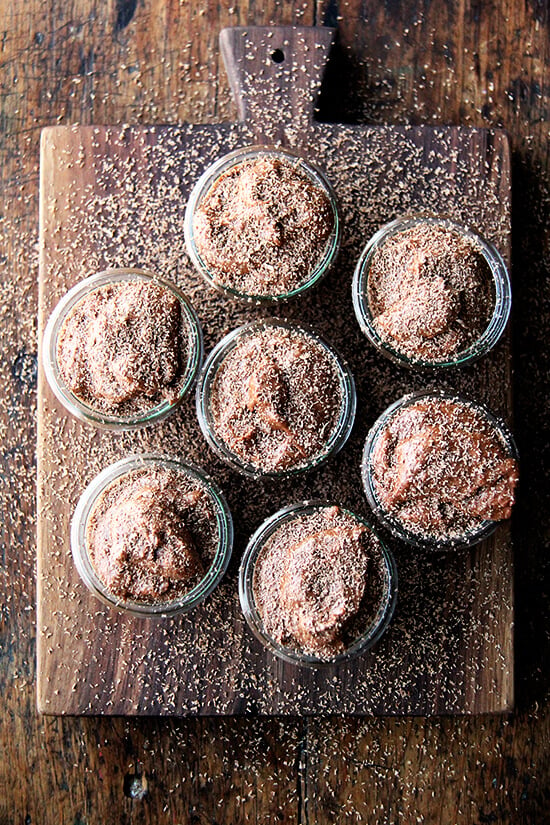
[(319, 581), (152, 534), (276, 398), (121, 348), (430, 292), (441, 469), (262, 227)]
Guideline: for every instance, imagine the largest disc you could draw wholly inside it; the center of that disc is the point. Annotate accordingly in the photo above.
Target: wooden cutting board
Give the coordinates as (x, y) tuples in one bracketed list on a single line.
[(115, 196)]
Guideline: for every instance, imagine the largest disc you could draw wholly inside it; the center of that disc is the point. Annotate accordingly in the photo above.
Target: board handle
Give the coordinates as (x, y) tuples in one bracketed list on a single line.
[(275, 73)]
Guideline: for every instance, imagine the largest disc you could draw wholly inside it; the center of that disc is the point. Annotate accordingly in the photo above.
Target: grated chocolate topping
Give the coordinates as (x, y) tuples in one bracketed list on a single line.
[(151, 535), (276, 398), (430, 292), (263, 226), (441, 468), (122, 347)]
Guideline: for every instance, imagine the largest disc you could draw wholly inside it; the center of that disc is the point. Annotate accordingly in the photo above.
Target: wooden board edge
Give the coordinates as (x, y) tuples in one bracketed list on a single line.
[(41, 702)]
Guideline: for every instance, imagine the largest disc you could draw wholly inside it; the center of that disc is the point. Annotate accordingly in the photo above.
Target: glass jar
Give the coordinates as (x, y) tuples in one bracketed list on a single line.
[(340, 431), (230, 162), (396, 527), (376, 625), (85, 508), (87, 412), (501, 285)]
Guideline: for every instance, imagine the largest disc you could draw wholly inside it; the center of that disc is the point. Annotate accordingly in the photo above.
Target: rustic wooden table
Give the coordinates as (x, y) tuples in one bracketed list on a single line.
[(157, 62)]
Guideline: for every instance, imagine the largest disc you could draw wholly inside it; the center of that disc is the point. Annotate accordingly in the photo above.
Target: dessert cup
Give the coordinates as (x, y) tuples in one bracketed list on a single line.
[(502, 295), (392, 522), (376, 624), (336, 438), (85, 509), (191, 332), (229, 164)]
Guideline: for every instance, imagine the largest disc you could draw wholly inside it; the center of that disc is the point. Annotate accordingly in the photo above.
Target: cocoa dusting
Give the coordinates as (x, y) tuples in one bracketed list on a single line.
[(263, 226), (121, 348), (441, 469), (318, 582), (276, 398), (430, 292), (151, 535)]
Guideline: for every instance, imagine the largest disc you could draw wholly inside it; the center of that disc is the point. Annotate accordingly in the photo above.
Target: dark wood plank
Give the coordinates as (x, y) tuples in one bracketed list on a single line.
[(276, 70), (441, 655), (72, 65)]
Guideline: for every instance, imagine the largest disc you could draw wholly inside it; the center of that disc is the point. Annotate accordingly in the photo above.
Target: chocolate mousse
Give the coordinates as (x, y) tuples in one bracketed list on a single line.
[(151, 535), (430, 292), (276, 398), (441, 469), (122, 347), (318, 582), (263, 226)]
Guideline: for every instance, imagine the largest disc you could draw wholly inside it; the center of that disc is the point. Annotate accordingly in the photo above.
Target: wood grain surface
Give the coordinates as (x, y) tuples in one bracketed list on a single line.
[(153, 62), (115, 196)]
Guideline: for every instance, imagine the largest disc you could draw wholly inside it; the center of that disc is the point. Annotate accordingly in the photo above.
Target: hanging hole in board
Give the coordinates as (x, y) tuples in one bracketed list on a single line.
[(278, 56)]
